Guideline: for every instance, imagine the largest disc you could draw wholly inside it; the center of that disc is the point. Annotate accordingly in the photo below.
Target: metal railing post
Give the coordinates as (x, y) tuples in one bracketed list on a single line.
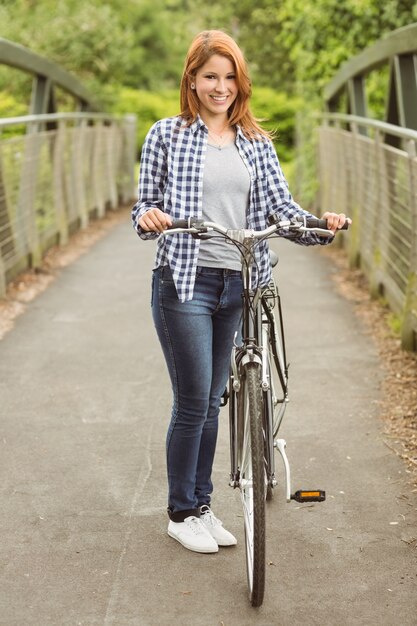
[(78, 173), (59, 181), (380, 251), (3, 284), (96, 166), (127, 163), (354, 239), (27, 194), (409, 326)]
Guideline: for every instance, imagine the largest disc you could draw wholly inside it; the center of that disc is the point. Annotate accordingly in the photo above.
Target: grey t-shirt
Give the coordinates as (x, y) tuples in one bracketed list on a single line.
[(226, 186)]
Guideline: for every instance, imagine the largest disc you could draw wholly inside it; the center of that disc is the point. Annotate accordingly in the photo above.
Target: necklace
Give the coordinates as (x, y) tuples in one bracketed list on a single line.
[(218, 144)]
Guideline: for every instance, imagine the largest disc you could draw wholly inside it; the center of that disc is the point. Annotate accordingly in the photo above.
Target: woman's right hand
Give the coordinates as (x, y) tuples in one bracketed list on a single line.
[(155, 220)]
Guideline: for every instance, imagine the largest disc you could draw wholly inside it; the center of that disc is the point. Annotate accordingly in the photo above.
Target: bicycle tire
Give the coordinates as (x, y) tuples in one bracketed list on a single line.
[(252, 479)]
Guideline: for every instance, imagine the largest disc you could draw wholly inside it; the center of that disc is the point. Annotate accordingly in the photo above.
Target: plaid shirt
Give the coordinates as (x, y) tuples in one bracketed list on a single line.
[(171, 179)]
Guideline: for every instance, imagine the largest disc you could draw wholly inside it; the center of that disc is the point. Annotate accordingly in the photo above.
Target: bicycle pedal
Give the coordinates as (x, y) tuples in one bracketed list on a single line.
[(316, 495)]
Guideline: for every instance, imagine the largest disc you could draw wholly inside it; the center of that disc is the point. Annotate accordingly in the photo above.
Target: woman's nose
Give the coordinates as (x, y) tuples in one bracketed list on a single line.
[(221, 85)]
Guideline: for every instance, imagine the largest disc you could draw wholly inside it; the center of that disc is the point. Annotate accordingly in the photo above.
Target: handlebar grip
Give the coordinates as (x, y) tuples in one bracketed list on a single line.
[(179, 224), (314, 222)]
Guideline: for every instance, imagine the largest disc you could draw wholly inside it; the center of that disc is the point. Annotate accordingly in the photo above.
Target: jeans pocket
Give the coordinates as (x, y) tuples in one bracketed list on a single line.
[(165, 275)]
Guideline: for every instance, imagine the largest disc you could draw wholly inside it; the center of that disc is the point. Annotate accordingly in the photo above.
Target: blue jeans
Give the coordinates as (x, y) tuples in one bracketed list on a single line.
[(196, 337)]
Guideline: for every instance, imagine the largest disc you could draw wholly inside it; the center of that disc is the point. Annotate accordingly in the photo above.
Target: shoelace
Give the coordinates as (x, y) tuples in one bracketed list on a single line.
[(194, 524), (208, 514)]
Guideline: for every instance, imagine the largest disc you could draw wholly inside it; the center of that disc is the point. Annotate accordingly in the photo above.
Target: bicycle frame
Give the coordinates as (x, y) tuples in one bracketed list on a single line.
[(257, 322)]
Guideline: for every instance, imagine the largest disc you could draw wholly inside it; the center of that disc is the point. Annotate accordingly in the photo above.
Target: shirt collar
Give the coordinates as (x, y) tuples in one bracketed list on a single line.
[(197, 125), (240, 134)]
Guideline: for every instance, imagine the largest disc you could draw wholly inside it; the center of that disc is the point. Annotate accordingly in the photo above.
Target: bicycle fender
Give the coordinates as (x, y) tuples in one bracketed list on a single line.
[(251, 358)]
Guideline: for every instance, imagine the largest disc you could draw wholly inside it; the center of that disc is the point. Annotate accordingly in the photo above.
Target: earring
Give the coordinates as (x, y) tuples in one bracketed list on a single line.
[(192, 85)]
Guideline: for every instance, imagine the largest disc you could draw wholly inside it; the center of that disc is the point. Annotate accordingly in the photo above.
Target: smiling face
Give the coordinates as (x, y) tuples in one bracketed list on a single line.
[(216, 88)]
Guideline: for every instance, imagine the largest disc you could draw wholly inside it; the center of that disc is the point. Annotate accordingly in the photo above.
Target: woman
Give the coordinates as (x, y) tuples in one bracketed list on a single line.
[(215, 162)]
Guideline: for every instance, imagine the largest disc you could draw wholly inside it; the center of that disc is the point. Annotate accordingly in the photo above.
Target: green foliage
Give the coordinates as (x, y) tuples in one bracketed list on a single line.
[(138, 44), (10, 107), (147, 106), (276, 113), (377, 89), (292, 45), (395, 324)]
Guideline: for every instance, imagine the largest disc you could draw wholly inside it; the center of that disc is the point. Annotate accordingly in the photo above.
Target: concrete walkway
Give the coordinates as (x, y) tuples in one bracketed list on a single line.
[(84, 402)]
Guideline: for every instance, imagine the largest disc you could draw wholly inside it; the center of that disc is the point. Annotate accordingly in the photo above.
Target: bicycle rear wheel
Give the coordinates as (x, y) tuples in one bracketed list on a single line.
[(252, 478)]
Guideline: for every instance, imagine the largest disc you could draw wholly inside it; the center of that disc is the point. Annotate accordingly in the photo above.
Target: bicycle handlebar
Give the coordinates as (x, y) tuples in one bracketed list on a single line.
[(304, 224)]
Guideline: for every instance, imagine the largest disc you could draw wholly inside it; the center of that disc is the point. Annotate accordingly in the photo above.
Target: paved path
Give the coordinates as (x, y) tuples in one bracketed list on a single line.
[(84, 401)]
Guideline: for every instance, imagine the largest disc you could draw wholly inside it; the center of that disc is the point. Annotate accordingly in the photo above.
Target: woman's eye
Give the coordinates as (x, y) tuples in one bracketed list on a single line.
[(212, 77)]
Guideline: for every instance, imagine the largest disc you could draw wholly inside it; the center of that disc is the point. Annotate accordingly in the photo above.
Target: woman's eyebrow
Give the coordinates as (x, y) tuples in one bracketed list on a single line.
[(216, 74)]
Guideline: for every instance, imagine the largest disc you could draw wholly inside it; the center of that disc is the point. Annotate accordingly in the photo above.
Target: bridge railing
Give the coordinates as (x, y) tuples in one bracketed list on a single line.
[(57, 171), (375, 183), (368, 169)]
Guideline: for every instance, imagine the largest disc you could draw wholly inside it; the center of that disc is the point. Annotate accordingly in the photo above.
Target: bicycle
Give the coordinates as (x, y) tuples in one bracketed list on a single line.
[(258, 388)]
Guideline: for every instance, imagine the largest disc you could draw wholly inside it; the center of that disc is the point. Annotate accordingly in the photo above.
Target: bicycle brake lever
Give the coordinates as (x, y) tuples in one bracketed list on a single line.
[(203, 234)]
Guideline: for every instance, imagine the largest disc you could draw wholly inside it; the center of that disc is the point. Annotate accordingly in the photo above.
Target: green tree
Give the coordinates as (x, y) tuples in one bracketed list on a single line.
[(139, 44)]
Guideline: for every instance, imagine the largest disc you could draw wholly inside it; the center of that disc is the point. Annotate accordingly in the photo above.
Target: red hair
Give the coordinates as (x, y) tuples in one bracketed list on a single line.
[(204, 46)]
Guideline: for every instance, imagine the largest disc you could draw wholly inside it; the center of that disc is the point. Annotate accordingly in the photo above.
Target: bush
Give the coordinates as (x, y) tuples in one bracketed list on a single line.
[(10, 107), (148, 107), (276, 112)]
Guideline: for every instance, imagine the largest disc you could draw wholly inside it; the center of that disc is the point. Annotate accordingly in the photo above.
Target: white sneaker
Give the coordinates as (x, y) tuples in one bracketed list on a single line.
[(215, 527), (193, 535)]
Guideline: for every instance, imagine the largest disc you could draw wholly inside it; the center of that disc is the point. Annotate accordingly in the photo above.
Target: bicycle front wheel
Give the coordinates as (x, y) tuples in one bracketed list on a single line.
[(252, 478)]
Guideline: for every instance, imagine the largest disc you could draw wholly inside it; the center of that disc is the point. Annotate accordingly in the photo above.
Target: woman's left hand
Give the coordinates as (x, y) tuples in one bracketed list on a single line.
[(335, 221)]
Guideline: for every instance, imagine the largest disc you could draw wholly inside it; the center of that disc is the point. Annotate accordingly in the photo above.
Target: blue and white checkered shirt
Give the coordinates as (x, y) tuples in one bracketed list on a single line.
[(171, 179)]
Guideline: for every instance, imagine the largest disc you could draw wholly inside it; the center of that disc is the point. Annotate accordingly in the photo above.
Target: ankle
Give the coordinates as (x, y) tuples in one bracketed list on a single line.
[(180, 516)]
